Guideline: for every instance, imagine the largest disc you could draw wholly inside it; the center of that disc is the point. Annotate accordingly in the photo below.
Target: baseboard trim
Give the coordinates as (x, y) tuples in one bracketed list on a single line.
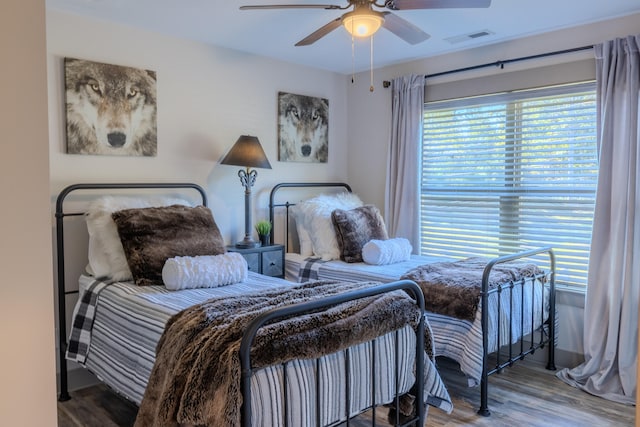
[(79, 378), (563, 358)]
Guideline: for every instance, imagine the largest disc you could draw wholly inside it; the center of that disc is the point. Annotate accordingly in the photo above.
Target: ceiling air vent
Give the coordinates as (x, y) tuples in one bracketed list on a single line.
[(470, 36)]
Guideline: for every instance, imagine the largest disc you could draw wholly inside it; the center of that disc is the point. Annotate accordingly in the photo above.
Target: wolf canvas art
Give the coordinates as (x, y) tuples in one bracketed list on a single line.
[(303, 128), (110, 109)]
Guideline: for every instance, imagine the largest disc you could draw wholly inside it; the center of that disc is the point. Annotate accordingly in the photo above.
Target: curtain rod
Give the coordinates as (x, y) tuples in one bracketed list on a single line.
[(500, 64)]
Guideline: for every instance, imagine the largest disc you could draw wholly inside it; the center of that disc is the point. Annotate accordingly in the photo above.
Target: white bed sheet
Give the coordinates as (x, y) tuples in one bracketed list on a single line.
[(460, 340), (129, 321)]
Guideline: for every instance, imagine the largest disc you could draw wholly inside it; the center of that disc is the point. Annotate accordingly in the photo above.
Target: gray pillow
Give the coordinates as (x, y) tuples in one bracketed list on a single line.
[(150, 236), (354, 228)]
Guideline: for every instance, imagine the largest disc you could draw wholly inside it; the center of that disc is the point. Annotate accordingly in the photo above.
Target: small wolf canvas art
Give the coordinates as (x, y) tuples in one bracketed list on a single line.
[(303, 127), (110, 109)]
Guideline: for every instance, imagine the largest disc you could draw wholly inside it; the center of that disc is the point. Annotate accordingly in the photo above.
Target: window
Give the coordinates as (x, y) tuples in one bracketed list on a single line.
[(510, 172)]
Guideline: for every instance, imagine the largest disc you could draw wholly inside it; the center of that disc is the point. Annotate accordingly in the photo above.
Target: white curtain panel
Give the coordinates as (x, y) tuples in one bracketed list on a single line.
[(611, 308), (402, 195)]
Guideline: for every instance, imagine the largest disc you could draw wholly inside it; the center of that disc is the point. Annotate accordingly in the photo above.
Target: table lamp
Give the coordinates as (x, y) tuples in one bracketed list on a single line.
[(247, 152)]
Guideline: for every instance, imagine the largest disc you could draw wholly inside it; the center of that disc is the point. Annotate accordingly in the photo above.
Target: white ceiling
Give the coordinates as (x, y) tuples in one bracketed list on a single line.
[(273, 33)]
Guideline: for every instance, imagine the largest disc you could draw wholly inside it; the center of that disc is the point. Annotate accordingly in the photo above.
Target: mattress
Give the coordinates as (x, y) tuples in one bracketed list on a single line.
[(129, 321), (460, 340)]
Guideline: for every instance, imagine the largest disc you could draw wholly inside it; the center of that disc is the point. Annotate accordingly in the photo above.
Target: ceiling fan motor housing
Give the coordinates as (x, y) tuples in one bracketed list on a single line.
[(363, 21)]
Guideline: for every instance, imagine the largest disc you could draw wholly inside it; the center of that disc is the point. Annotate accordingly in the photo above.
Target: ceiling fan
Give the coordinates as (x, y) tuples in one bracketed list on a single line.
[(364, 20)]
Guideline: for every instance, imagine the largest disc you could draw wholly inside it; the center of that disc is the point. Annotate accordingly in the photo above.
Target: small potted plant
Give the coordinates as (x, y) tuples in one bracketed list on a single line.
[(263, 227)]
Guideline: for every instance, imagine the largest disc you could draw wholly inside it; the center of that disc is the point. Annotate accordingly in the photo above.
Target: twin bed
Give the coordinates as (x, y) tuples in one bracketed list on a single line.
[(303, 355), (517, 316), (281, 365)]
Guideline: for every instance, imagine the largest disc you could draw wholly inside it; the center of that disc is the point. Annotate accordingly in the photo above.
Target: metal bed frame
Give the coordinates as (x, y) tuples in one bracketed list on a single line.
[(252, 329), (546, 338), (62, 289), (297, 309)]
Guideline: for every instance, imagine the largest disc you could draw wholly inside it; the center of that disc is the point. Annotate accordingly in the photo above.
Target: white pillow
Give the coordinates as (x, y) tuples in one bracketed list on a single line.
[(390, 251), (316, 215), (204, 271), (304, 239), (106, 254)]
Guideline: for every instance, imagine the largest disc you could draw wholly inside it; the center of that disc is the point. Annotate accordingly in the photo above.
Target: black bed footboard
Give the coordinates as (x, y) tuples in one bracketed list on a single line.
[(297, 309), (546, 332)]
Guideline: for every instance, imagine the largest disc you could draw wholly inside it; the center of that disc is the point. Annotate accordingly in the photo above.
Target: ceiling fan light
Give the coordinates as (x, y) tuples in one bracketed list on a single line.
[(361, 24)]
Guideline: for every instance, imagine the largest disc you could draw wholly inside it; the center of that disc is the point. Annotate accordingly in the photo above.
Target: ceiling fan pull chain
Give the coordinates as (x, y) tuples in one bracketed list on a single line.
[(371, 65), (353, 59)]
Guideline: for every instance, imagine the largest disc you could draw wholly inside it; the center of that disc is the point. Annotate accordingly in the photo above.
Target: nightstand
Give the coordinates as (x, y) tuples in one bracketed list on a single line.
[(267, 260)]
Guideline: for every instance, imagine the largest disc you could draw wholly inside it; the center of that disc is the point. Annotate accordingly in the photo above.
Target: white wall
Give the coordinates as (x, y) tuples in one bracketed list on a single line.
[(207, 97), (370, 112), (26, 293)]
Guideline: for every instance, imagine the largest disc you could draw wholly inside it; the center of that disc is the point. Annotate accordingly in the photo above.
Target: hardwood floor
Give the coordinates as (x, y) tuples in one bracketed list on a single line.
[(524, 395)]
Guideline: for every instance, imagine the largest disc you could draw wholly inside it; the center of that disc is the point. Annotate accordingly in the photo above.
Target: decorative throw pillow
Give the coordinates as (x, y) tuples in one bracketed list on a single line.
[(204, 271), (355, 227), (316, 220), (106, 255), (304, 239), (390, 251), (150, 236)]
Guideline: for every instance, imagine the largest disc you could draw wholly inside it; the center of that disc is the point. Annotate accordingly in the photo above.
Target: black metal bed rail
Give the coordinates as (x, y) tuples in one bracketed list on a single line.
[(60, 215), (550, 339), (510, 286), (287, 205), (301, 308)]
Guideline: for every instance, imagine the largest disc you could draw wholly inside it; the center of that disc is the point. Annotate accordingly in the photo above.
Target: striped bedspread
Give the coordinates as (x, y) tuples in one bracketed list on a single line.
[(129, 320)]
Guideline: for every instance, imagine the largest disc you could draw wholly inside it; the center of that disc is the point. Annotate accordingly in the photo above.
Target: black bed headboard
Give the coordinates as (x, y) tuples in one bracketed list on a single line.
[(62, 291), (273, 205)]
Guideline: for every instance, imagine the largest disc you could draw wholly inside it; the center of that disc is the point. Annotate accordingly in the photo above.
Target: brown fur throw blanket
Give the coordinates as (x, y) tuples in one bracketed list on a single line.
[(196, 376), (453, 288)]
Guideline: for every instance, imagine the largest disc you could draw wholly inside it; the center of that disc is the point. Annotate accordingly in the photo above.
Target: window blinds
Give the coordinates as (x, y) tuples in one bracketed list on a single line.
[(510, 172)]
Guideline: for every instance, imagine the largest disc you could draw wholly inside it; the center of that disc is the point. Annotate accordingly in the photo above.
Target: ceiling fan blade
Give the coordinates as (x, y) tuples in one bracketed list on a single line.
[(321, 32), (435, 4), (404, 29), (291, 6)]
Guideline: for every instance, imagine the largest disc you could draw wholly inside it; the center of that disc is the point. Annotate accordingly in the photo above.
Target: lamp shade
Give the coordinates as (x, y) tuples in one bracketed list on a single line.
[(363, 22), (247, 152)]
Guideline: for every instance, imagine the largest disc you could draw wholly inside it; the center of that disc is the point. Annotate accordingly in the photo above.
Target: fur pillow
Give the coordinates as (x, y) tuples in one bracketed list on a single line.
[(356, 227), (315, 215), (106, 255), (150, 236)]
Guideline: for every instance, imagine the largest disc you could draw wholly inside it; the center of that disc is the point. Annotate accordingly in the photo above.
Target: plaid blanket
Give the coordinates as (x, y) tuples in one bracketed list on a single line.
[(309, 269), (83, 316)]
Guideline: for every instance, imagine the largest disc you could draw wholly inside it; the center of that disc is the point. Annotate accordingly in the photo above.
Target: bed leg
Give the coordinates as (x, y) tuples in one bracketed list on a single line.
[(64, 388), (551, 364), (484, 396), (484, 388), (484, 379)]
